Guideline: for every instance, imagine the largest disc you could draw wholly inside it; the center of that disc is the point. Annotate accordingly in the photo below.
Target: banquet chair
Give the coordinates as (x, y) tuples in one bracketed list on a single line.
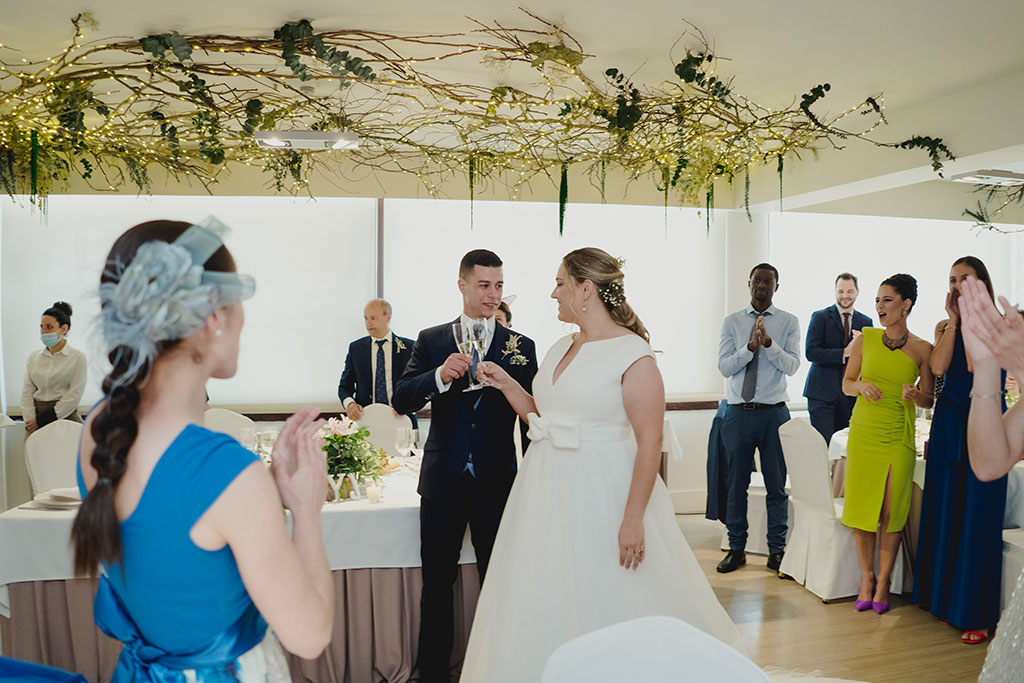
[(649, 649), (821, 553), (50, 454), (383, 424), (228, 422)]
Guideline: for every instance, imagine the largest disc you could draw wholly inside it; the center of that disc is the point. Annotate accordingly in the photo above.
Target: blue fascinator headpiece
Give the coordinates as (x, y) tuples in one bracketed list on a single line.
[(165, 294)]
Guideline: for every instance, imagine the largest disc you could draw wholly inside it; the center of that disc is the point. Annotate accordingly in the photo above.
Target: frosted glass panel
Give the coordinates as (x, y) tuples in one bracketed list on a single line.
[(810, 250), (313, 262), (673, 272)]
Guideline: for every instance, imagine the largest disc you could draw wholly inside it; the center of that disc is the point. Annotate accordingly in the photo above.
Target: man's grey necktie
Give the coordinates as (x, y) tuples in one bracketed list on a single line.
[(750, 376)]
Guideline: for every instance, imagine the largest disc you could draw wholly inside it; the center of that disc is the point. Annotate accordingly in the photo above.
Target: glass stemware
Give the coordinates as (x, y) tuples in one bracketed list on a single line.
[(471, 339), (403, 440)]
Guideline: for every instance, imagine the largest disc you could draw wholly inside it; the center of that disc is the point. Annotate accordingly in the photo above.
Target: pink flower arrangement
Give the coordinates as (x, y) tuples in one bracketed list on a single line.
[(342, 426)]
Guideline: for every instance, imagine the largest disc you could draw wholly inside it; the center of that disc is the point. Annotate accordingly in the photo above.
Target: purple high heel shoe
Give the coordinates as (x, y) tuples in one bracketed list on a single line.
[(880, 607), (864, 605)]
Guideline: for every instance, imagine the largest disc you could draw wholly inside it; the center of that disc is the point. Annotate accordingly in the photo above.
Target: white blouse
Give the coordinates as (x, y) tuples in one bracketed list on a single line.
[(54, 377)]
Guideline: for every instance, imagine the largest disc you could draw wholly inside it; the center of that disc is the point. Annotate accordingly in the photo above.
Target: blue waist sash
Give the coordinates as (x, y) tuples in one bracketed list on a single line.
[(140, 661)]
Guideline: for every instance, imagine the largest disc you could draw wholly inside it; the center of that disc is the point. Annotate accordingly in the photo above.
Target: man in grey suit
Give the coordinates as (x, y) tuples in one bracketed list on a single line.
[(829, 338)]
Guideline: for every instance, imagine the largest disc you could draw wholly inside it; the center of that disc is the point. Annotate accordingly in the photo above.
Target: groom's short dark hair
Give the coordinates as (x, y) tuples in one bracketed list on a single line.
[(478, 257)]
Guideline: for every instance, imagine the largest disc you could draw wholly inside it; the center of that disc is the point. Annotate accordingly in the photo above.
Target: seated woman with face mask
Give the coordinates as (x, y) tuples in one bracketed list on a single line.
[(55, 375)]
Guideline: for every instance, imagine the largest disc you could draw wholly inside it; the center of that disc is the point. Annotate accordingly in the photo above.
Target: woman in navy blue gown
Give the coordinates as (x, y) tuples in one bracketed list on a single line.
[(960, 546)]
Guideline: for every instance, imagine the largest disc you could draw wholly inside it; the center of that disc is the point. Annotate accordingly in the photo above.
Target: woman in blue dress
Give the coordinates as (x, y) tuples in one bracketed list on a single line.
[(185, 522), (960, 545)]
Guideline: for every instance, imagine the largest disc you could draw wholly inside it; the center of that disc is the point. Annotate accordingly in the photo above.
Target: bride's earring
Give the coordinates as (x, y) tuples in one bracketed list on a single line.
[(584, 306)]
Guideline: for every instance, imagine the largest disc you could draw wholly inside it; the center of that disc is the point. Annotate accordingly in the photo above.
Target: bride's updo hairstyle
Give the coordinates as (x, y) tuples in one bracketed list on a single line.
[(152, 295), (604, 270)]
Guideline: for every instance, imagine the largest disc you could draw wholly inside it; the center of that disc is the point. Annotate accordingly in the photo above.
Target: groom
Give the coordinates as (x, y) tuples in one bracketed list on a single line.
[(469, 460)]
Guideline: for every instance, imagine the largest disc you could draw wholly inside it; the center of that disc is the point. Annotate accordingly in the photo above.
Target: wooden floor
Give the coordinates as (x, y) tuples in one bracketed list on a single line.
[(784, 625)]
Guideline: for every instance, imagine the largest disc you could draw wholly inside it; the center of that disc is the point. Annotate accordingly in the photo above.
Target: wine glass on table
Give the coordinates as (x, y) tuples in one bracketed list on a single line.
[(419, 440), (471, 339), (403, 442)]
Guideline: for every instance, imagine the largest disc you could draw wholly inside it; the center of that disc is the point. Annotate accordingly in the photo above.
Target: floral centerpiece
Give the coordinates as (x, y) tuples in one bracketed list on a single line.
[(351, 458)]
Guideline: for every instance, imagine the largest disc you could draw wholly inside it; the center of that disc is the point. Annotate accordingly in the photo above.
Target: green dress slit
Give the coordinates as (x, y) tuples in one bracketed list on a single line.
[(881, 437)]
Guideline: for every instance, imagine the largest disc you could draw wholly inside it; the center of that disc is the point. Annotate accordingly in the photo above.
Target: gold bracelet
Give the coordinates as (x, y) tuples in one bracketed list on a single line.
[(974, 395)]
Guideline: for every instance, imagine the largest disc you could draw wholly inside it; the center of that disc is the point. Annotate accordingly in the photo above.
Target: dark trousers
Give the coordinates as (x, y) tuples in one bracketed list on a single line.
[(442, 527), (829, 417), (742, 432)]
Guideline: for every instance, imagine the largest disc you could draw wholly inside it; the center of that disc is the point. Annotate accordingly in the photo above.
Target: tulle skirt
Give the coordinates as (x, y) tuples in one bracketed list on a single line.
[(554, 572), (263, 663)]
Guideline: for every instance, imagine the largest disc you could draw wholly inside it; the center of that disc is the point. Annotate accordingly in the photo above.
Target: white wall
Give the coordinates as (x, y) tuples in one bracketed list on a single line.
[(313, 262), (810, 250), (673, 271)]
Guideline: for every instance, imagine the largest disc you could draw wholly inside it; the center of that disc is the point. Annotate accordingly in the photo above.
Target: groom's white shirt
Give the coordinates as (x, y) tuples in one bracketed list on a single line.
[(466, 322)]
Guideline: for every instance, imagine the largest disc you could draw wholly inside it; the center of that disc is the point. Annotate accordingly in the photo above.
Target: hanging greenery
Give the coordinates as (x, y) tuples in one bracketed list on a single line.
[(996, 200), (113, 111)]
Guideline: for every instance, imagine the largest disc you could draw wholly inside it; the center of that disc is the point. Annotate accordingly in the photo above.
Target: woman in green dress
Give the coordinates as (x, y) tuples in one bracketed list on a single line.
[(884, 367)]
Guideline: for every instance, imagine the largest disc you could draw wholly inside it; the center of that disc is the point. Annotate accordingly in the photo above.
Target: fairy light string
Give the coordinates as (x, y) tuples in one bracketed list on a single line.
[(112, 111)]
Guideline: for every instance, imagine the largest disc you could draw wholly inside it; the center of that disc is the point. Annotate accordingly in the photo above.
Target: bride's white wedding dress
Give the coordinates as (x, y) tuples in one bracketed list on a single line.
[(554, 573), (1004, 662)]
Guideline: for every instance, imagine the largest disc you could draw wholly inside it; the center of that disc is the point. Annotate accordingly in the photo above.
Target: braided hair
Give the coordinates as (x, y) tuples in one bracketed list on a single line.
[(96, 534)]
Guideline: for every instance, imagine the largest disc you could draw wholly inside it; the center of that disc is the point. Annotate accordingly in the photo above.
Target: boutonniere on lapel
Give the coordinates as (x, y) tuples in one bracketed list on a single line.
[(399, 346), (512, 348)]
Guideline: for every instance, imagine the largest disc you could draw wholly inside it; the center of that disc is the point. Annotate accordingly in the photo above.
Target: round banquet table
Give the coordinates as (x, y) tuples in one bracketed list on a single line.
[(373, 550)]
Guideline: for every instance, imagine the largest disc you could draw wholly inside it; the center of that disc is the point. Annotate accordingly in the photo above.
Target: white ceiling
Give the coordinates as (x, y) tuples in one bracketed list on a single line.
[(921, 53)]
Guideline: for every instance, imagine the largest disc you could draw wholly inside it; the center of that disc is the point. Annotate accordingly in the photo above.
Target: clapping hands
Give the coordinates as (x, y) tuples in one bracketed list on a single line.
[(910, 393), (760, 337), (988, 335), (298, 464)]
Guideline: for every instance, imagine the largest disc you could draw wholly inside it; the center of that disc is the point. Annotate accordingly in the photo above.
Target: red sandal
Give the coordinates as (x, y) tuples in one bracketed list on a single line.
[(973, 637)]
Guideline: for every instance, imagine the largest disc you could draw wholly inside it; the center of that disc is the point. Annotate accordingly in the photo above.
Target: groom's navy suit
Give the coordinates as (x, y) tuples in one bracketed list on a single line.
[(828, 406), (466, 428)]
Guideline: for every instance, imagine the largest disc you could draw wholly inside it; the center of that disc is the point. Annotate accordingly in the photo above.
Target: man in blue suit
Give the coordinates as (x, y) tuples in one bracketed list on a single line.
[(469, 461), (374, 363), (829, 337)]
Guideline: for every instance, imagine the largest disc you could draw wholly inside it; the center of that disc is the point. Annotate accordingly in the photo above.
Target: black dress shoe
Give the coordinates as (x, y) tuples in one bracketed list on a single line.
[(733, 561), (775, 561)]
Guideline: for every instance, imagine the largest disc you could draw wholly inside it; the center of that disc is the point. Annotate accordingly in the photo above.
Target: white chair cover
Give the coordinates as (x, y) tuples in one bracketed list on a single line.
[(228, 422), (50, 455), (821, 553), (757, 517), (383, 424), (649, 649)]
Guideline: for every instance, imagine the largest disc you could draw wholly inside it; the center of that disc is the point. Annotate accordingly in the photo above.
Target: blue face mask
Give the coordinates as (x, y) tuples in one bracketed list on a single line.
[(50, 339)]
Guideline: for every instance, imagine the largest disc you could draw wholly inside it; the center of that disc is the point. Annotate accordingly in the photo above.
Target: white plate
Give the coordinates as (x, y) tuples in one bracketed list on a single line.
[(63, 495)]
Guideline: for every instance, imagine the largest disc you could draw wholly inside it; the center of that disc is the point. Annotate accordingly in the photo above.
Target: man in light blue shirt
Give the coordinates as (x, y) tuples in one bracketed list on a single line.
[(759, 347)]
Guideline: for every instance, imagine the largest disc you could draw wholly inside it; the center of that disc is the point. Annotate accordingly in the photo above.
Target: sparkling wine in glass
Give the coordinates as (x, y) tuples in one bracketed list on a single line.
[(471, 339)]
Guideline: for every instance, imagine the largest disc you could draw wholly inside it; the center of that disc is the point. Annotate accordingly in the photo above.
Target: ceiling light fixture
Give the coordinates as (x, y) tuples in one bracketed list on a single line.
[(990, 177), (307, 139)]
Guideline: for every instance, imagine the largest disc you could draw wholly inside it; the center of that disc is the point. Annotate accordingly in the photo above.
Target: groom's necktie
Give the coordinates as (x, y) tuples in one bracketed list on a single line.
[(380, 380), (750, 376)]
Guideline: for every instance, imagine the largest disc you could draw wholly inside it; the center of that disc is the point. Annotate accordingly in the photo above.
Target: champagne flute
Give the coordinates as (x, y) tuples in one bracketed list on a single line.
[(471, 340)]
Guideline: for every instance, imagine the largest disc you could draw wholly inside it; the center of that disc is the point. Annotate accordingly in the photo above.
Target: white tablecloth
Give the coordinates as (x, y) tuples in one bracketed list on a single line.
[(357, 534), (1014, 514)]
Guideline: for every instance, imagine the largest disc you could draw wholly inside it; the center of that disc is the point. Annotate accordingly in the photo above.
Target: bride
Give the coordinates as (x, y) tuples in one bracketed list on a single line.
[(589, 536)]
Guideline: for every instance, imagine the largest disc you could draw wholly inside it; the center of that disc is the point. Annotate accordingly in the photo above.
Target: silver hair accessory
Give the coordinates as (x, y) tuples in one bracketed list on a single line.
[(613, 293), (165, 294)]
